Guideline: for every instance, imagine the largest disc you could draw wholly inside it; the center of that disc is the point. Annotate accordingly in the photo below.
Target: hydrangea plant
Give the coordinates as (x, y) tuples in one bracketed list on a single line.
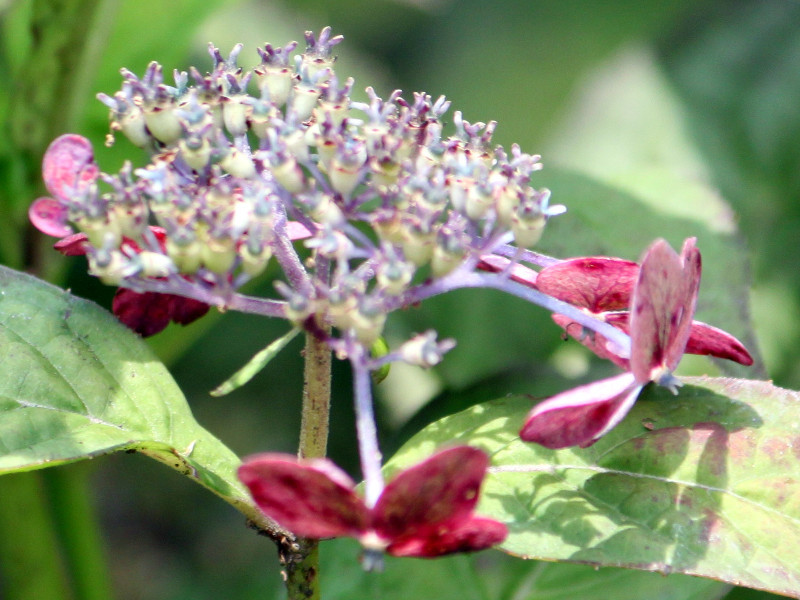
[(367, 208)]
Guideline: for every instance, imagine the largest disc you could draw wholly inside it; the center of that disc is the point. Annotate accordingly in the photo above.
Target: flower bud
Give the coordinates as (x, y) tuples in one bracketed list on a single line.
[(155, 264), (254, 260), (238, 164), (289, 174), (218, 254), (424, 351), (368, 321), (163, 123), (234, 114), (186, 254), (196, 152), (394, 276), (304, 98), (277, 81)]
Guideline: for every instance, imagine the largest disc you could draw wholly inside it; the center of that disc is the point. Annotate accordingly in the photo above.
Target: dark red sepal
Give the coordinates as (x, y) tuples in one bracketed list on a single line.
[(310, 498), (149, 313)]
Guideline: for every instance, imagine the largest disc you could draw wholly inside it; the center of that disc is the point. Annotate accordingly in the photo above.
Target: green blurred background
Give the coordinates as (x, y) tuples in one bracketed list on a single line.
[(653, 97)]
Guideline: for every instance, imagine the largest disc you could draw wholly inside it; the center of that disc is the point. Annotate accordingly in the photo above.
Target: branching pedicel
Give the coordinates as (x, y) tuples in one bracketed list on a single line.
[(392, 208)]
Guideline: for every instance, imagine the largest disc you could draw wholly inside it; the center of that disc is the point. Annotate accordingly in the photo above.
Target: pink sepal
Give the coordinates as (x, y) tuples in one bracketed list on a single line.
[(50, 217), (663, 307), (471, 535), (149, 313), (425, 511), (297, 231), (444, 488), (580, 416), (68, 165), (303, 497), (596, 283), (707, 340)]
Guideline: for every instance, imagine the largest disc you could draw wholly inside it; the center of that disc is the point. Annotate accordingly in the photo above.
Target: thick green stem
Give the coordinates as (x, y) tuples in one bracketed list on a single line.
[(300, 558), (316, 399)]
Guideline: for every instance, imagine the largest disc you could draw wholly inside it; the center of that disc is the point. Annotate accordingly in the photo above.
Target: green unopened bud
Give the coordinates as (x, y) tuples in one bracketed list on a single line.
[(155, 264), (238, 164), (424, 351), (394, 276), (134, 128), (100, 231), (335, 112), (195, 153), (299, 308), (418, 244), (110, 266), (289, 175), (304, 98), (218, 254), (527, 229), (254, 263), (163, 123), (506, 202), (345, 175), (324, 210), (187, 255), (278, 81), (234, 115), (368, 322), (478, 202)]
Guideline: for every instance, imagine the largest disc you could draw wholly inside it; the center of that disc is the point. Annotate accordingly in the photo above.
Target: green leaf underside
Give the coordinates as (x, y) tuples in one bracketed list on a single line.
[(707, 483), (255, 364), (75, 383)]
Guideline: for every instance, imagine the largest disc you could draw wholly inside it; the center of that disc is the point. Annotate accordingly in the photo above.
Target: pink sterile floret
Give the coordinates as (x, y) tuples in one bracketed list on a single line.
[(661, 328), (425, 511)]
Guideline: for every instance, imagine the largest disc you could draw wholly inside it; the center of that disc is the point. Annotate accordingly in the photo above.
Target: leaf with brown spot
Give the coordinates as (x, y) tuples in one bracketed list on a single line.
[(706, 483)]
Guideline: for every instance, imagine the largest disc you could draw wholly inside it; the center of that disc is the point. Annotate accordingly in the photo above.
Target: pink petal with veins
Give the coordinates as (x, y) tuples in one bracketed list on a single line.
[(707, 340), (50, 217), (596, 283), (580, 416), (476, 533), (663, 306), (73, 245), (68, 165), (442, 489), (304, 498)]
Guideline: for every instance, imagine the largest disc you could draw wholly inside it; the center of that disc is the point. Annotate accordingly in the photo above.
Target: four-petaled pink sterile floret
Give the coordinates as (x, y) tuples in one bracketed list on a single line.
[(662, 305), (425, 511)]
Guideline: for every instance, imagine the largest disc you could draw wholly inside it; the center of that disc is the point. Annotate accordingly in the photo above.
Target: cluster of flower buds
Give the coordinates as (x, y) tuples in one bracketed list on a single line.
[(384, 197)]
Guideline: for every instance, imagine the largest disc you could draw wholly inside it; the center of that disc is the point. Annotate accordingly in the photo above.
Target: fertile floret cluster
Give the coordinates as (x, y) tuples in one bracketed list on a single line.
[(385, 199)]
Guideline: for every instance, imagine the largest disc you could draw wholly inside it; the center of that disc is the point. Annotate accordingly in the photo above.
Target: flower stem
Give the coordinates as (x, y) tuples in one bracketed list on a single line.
[(300, 558), (316, 398), (365, 427)]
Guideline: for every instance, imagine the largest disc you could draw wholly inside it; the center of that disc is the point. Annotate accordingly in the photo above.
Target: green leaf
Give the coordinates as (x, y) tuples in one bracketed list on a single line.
[(255, 364), (74, 384), (707, 484), (492, 575)]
